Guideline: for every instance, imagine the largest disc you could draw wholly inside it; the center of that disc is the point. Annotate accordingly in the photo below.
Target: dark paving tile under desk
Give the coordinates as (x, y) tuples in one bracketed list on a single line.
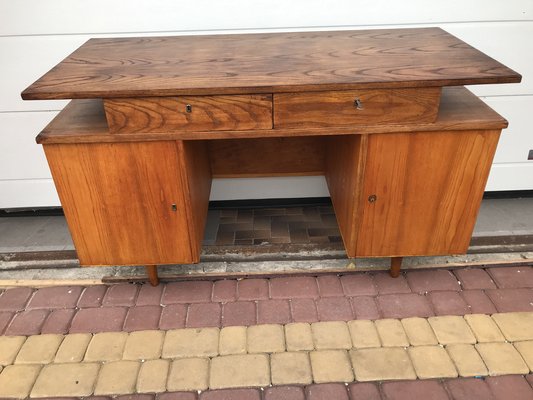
[(273, 225)]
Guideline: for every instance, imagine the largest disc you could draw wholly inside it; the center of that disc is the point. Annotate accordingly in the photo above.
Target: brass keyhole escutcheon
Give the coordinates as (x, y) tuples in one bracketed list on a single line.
[(358, 104), (188, 108), (174, 207), (372, 198)]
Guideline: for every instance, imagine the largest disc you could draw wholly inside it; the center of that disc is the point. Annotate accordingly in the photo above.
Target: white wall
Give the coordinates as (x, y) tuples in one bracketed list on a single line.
[(36, 34)]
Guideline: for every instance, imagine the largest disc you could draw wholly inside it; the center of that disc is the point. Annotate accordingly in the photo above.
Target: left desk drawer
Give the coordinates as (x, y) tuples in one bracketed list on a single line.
[(189, 113)]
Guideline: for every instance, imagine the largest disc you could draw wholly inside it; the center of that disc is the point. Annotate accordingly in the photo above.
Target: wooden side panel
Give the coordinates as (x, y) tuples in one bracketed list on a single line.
[(192, 113), (361, 107), (427, 188), (196, 177), (267, 156), (118, 198), (345, 160)]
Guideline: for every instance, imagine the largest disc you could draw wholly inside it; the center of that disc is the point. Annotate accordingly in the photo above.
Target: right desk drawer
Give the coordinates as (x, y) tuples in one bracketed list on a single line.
[(356, 107)]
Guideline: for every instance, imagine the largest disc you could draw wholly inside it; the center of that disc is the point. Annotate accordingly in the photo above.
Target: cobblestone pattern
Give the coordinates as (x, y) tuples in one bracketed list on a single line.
[(192, 359), (365, 296)]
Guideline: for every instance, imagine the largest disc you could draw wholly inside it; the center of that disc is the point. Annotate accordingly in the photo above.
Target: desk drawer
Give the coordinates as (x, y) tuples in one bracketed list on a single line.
[(356, 107), (189, 113)]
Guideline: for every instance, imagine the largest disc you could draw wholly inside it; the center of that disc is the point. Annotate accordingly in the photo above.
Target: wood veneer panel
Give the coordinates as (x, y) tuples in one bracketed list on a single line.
[(117, 199), (345, 163), (338, 108), (267, 157), (84, 121), (196, 182), (167, 114), (267, 63), (428, 189)]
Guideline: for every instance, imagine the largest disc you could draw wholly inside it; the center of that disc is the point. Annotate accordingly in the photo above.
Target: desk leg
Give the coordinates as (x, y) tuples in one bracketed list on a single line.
[(151, 271), (395, 265)]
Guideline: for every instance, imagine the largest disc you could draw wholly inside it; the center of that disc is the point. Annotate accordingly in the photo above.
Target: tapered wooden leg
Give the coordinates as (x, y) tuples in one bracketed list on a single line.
[(395, 265), (151, 271)]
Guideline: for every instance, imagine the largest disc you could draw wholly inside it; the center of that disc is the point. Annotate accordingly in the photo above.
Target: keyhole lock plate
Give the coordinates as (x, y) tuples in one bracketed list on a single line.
[(174, 207), (358, 104), (372, 198), (188, 108)]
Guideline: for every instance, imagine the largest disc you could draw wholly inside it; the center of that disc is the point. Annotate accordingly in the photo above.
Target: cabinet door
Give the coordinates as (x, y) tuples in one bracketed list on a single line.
[(129, 203), (422, 191)]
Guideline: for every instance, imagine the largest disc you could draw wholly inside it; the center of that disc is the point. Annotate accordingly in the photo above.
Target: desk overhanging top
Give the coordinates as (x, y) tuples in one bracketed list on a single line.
[(267, 63)]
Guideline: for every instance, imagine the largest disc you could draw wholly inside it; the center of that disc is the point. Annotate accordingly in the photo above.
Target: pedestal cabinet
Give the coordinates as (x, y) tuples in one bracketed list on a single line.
[(405, 149)]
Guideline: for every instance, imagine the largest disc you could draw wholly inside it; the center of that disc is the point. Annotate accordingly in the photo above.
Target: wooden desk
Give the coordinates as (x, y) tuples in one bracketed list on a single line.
[(406, 158)]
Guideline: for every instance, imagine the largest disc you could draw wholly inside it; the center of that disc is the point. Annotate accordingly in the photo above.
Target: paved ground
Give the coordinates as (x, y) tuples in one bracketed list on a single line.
[(463, 334)]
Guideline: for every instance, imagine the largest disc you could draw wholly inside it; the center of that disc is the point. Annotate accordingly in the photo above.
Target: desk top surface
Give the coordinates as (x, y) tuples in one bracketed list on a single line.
[(267, 63)]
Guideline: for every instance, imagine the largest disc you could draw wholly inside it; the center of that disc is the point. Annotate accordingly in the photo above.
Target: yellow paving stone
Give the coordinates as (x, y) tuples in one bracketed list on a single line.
[(153, 376), (299, 336), (451, 329), (232, 340), (363, 334), (73, 348), (432, 362), (331, 335), (106, 346), (9, 348), (501, 358), (143, 345), (117, 377), (385, 363), (391, 333), (39, 349), (331, 366), (419, 332), (516, 326), (265, 339), (191, 342), (16, 381), (246, 370), (526, 351), (290, 368), (188, 374), (484, 328), (72, 379), (467, 360)]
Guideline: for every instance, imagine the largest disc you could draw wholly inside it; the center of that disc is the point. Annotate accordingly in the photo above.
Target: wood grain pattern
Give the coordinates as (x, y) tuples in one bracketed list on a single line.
[(337, 108), (118, 198), (428, 189), (345, 165), (267, 63), (196, 184), (291, 156), (169, 114), (83, 121)]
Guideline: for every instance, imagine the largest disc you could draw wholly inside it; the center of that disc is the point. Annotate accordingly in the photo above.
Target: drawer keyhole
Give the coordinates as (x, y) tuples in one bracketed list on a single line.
[(372, 198), (173, 207), (358, 104), (188, 108)]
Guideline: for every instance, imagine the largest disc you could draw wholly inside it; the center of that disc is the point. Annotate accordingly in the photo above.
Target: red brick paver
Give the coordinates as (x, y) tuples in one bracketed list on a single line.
[(404, 306), (428, 281), (293, 287), (204, 315), (478, 302), (225, 291), (149, 295), (58, 321), (358, 285), (55, 297), (239, 313), (329, 286), (386, 284), (5, 318), (409, 390), (231, 394), (284, 393), (177, 396), (334, 309), (364, 307), (508, 300), (253, 289), (27, 322), (363, 391), (92, 296), (15, 299), (187, 292), (142, 318), (173, 317), (448, 303), (273, 312), (469, 389), (475, 278), (304, 310), (106, 319), (509, 387), (513, 277), (120, 295), (326, 391)]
